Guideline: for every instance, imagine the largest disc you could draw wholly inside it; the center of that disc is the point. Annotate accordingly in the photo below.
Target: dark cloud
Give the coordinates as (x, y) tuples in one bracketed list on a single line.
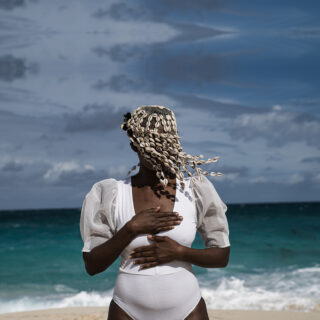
[(94, 118), (208, 145), (189, 6), (22, 173), (305, 32), (189, 32), (311, 160), (119, 83), (221, 109), (306, 102), (144, 10), (11, 4), (192, 68), (51, 138), (122, 11), (120, 52), (11, 68), (12, 166)]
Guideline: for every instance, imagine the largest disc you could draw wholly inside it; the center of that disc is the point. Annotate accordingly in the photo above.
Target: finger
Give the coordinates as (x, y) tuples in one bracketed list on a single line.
[(145, 260), (164, 229), (166, 219), (143, 248), (142, 254), (167, 214), (157, 238), (148, 265), (168, 224)]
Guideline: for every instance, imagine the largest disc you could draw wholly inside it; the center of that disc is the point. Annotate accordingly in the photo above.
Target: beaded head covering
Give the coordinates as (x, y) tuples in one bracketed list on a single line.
[(152, 129)]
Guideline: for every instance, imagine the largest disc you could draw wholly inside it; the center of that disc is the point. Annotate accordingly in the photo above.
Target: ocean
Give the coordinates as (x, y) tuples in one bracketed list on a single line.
[(274, 261)]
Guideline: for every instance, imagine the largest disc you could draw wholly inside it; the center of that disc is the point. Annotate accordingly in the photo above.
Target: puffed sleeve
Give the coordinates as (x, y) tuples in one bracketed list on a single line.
[(212, 223), (97, 219)]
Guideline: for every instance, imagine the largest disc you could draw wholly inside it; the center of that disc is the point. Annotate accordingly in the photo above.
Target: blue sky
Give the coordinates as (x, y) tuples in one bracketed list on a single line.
[(242, 78)]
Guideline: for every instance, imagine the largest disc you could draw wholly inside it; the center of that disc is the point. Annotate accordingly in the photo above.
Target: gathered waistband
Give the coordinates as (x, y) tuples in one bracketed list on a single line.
[(168, 271)]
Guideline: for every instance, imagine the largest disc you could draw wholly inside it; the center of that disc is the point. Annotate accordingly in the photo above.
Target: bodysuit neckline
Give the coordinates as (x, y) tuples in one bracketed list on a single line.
[(131, 195)]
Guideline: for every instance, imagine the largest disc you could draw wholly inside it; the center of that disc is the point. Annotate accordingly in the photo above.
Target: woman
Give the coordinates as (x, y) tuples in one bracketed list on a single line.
[(150, 220)]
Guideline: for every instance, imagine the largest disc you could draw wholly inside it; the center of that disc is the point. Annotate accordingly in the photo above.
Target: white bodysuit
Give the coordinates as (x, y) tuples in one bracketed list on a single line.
[(168, 291)]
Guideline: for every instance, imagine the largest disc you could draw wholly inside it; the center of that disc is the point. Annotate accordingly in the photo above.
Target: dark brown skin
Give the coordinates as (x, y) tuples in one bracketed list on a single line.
[(153, 206)]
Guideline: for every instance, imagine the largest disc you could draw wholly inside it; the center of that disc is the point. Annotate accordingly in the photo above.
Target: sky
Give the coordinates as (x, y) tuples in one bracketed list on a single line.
[(242, 78)]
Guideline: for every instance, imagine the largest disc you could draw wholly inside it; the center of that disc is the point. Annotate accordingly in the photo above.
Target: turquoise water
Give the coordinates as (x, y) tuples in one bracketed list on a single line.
[(274, 261)]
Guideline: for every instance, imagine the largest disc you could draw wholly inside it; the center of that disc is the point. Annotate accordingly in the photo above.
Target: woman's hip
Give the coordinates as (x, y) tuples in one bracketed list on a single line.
[(157, 291)]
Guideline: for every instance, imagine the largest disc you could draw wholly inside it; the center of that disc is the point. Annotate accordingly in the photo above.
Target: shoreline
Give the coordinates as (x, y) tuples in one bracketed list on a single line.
[(100, 313)]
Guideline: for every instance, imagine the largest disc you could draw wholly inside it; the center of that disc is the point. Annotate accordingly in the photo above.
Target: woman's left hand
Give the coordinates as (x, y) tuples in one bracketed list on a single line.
[(163, 250)]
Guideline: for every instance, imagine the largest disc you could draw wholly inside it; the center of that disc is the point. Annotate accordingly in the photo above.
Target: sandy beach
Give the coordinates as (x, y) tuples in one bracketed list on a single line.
[(101, 313)]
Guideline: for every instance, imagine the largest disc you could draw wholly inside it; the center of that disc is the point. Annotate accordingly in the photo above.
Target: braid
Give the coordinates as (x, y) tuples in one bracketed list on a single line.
[(153, 130)]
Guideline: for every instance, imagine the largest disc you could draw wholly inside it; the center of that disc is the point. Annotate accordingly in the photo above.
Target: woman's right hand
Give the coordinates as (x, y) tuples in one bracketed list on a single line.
[(153, 221)]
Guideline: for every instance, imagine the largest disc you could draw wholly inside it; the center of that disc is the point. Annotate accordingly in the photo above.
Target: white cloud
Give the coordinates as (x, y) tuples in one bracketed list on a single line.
[(61, 168), (277, 127), (258, 179), (276, 107), (296, 178)]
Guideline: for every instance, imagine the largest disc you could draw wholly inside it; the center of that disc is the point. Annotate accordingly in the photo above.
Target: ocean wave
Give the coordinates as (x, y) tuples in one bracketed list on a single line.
[(281, 289), (80, 299), (292, 290)]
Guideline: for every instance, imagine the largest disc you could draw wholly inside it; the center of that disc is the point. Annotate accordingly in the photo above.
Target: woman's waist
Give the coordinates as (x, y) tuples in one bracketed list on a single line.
[(127, 266)]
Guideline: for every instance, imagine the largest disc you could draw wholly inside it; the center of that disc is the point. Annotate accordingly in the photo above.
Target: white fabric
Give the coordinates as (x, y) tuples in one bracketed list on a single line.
[(212, 223), (160, 297), (184, 233), (97, 224), (99, 214)]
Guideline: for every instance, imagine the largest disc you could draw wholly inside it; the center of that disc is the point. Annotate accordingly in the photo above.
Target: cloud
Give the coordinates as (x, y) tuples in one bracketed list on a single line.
[(11, 4), (218, 108), (191, 32), (11, 68), (276, 127), (119, 83), (69, 173), (12, 166), (161, 10), (229, 173), (121, 11), (309, 32), (311, 160), (94, 117), (120, 52)]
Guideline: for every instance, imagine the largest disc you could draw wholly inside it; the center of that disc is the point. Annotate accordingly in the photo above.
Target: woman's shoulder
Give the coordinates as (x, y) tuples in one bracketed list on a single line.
[(103, 186)]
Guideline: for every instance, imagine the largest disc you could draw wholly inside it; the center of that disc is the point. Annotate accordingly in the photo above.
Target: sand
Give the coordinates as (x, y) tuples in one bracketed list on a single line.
[(100, 313)]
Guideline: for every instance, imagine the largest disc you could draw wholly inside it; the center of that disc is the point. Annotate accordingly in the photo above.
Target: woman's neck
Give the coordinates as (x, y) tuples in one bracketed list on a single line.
[(147, 176)]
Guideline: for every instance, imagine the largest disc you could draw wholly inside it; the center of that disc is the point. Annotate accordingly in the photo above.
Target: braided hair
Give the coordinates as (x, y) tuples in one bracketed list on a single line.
[(152, 129)]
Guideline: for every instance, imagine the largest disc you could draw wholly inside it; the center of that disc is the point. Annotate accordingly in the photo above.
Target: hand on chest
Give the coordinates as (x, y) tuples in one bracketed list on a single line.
[(134, 200)]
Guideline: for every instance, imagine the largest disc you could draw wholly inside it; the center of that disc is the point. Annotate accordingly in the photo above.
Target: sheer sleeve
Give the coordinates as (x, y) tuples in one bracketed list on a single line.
[(97, 220), (212, 223)]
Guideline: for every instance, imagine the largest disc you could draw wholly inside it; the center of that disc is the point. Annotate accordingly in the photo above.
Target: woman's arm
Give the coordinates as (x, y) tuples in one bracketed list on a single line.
[(102, 256), (207, 258), (149, 220), (164, 249)]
